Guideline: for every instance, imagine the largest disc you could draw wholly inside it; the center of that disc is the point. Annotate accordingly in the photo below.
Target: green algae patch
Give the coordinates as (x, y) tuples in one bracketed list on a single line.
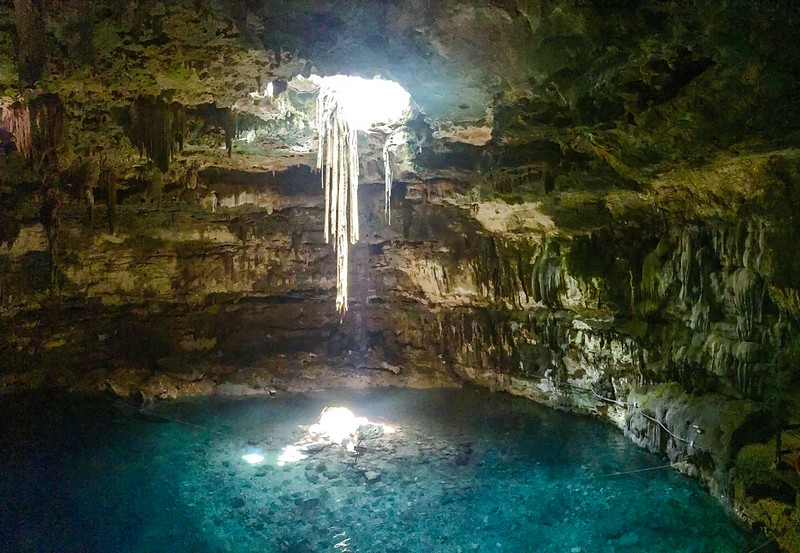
[(781, 520), (764, 494), (727, 188), (754, 470)]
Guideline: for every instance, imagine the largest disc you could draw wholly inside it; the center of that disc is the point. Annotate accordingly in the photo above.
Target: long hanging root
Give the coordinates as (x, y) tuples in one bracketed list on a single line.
[(393, 140), (387, 169), (337, 158)]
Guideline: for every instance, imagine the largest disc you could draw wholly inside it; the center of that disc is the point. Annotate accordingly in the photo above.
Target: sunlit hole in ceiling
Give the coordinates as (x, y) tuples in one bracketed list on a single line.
[(367, 103)]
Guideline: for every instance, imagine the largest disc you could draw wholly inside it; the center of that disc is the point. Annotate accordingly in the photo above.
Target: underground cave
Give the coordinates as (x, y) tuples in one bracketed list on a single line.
[(399, 276)]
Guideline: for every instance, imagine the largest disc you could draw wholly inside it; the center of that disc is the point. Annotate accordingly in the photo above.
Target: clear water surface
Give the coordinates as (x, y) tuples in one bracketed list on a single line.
[(467, 470)]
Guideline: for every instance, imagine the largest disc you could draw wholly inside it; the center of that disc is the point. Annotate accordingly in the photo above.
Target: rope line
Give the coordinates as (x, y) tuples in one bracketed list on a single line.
[(645, 415), (179, 421), (610, 474), (591, 389), (766, 543), (684, 440), (608, 399)]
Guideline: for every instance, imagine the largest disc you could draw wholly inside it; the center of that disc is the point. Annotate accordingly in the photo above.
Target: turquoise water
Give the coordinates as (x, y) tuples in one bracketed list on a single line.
[(466, 470)]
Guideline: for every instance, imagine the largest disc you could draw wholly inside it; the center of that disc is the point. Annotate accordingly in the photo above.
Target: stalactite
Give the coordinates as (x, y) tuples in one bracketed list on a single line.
[(16, 118), (158, 129), (546, 277), (50, 217), (337, 158), (747, 301), (754, 245), (31, 39), (229, 128), (685, 264), (107, 180), (47, 124), (720, 357)]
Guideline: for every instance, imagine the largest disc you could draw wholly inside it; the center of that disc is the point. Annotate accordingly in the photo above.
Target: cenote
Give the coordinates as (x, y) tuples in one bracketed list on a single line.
[(216, 213), (458, 470)]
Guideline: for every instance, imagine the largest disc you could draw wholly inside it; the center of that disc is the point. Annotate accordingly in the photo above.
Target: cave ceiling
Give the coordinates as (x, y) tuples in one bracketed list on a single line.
[(564, 94)]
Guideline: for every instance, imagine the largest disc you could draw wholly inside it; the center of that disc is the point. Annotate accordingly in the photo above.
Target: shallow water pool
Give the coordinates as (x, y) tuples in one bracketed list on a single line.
[(464, 470)]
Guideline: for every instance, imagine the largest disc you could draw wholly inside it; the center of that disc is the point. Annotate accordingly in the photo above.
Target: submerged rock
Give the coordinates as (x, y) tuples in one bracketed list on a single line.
[(372, 476)]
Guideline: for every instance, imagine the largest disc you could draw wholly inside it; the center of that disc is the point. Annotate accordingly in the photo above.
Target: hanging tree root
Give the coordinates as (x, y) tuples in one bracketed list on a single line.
[(337, 158)]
